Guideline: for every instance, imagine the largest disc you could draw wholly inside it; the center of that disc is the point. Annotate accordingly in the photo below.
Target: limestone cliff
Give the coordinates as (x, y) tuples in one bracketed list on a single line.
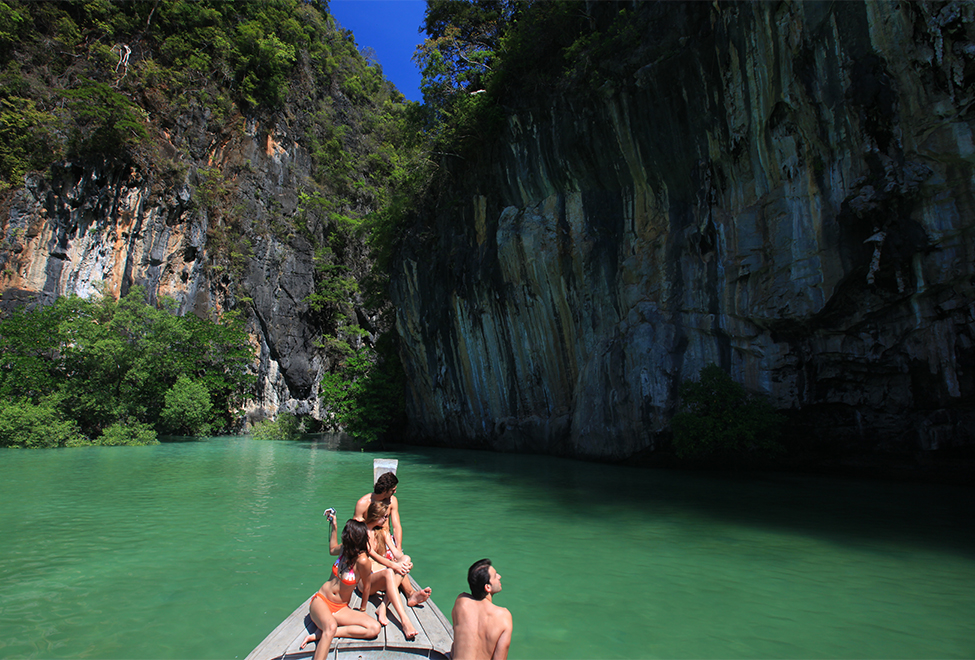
[(785, 189), (221, 154), (92, 228)]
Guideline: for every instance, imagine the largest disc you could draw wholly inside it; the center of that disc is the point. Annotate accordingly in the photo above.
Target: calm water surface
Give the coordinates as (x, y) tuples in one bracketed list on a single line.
[(198, 550)]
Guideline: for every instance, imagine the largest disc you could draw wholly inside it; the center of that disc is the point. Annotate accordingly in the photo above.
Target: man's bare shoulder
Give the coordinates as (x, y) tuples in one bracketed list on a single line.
[(466, 602), (463, 599), (362, 506)]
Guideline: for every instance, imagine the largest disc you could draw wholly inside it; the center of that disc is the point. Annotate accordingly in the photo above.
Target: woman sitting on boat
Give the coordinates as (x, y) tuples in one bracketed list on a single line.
[(389, 555), (330, 605), (385, 557)]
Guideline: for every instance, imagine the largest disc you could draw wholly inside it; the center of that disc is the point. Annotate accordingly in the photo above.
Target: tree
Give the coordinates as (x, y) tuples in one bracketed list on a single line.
[(365, 397), (103, 363), (462, 44), (287, 426), (720, 419), (107, 120), (188, 409), (27, 139), (128, 433), (25, 424)]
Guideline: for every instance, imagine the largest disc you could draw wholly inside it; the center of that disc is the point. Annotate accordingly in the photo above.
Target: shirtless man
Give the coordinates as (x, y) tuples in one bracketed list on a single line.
[(482, 630), (385, 491)]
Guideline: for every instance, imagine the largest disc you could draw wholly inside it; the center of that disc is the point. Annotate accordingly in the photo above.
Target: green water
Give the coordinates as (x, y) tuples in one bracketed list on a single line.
[(197, 550)]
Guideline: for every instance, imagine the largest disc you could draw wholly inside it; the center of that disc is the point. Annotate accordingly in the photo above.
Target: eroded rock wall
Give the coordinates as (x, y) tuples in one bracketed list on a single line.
[(785, 189), (100, 228)]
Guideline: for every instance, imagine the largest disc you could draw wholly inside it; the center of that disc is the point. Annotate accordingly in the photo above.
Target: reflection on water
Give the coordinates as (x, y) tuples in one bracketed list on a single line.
[(197, 550)]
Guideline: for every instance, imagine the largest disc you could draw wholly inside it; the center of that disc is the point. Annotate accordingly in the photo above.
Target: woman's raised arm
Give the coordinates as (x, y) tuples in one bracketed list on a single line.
[(334, 547)]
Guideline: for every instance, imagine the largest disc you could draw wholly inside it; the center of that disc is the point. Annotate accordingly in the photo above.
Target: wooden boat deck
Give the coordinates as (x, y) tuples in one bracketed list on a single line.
[(433, 641)]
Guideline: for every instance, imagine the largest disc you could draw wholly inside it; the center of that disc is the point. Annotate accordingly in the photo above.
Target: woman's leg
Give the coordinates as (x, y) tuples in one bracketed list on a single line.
[(327, 626), (392, 594), (378, 582), (414, 597), (356, 624)]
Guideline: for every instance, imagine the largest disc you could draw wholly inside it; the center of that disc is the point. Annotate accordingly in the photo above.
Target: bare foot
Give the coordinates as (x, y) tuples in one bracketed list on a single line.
[(419, 596), (381, 615), (409, 632), (311, 638)]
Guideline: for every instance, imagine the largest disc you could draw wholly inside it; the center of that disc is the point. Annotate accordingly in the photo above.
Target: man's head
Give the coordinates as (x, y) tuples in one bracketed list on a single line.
[(385, 484), (483, 579)]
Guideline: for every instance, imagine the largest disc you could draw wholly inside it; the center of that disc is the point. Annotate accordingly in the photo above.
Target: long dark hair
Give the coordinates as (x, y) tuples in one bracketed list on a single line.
[(355, 541)]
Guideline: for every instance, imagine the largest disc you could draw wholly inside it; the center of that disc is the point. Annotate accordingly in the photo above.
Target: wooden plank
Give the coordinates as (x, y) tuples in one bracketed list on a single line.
[(280, 638), (394, 631), (435, 625), (306, 627), (440, 634), (434, 641)]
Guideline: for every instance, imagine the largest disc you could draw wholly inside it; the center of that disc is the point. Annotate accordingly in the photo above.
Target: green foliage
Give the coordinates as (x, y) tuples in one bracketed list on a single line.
[(264, 64), (107, 120), (213, 190), (482, 55), (462, 44), (458, 61), (365, 397), (14, 21), (333, 291), (30, 425), (286, 426), (27, 139), (720, 420), (128, 433), (65, 89), (188, 409), (105, 362)]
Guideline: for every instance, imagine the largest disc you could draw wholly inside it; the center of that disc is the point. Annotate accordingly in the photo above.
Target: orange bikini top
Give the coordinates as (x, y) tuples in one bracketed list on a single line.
[(348, 577)]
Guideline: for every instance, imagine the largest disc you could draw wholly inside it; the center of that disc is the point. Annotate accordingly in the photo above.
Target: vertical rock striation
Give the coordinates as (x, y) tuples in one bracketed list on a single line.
[(785, 189)]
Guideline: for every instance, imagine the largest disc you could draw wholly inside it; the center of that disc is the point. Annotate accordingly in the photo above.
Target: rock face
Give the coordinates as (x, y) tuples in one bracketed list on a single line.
[(784, 189), (90, 228)]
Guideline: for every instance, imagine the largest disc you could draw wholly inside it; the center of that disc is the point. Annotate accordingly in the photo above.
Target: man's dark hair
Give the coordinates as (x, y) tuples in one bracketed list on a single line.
[(478, 576), (386, 482)]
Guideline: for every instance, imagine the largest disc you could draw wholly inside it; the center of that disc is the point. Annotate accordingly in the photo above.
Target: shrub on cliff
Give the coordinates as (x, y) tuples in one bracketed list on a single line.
[(27, 139), (365, 397), (719, 419)]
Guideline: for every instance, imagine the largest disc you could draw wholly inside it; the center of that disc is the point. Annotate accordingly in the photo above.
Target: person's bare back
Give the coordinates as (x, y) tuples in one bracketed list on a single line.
[(482, 630)]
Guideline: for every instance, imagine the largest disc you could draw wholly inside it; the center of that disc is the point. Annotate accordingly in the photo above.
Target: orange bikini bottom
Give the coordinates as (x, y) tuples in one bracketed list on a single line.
[(332, 607)]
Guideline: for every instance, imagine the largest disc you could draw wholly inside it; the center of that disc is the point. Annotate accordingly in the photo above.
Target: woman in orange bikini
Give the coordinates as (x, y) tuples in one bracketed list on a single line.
[(330, 605), (384, 555)]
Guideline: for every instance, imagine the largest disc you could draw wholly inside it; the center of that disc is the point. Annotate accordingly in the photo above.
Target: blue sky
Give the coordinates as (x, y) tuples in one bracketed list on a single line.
[(389, 27)]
